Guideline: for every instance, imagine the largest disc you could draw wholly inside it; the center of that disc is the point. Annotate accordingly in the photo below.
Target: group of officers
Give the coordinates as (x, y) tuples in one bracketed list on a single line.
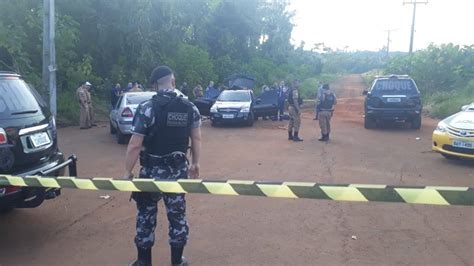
[(163, 129), (325, 102)]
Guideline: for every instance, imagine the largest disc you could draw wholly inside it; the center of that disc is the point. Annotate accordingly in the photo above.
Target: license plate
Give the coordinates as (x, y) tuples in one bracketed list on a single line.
[(40, 139), (463, 144), (394, 100), (227, 116)]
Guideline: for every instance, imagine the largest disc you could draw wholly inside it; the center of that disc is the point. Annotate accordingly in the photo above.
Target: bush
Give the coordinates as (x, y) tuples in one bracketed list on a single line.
[(444, 104)]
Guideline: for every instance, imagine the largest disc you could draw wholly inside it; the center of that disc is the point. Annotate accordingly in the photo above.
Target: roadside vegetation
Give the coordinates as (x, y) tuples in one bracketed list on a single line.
[(444, 74), (108, 42)]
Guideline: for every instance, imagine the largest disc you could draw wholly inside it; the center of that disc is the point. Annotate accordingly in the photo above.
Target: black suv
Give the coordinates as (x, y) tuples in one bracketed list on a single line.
[(28, 143), (393, 98)]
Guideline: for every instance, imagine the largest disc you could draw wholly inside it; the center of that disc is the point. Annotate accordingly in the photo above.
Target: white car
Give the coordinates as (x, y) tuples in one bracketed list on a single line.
[(121, 116)]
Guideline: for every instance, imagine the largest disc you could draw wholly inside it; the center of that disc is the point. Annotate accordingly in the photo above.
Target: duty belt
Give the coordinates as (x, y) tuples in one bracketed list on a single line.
[(173, 159)]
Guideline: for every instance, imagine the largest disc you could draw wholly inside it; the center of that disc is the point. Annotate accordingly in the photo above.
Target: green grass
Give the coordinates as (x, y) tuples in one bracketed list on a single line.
[(444, 104)]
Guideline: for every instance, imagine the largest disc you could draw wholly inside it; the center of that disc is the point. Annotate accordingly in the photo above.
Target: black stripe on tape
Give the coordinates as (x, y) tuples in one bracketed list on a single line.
[(104, 184), (310, 192), (458, 197), (146, 186), (66, 183), (247, 189), (194, 187), (381, 194), (32, 182)]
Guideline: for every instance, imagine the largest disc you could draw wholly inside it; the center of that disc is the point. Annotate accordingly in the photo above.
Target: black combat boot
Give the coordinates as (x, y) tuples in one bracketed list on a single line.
[(290, 135), (144, 257), (177, 258), (324, 137), (296, 137)]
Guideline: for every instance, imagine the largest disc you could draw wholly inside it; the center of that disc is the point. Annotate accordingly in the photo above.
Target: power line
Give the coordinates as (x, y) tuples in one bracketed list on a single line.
[(414, 3)]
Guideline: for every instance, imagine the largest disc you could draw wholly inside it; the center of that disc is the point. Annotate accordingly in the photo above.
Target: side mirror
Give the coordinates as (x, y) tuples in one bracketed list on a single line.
[(365, 92), (464, 108)]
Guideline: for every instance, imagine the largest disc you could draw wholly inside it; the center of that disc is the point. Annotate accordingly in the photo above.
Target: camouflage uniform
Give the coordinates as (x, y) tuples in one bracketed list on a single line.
[(147, 202), (90, 107), (294, 112), (81, 95)]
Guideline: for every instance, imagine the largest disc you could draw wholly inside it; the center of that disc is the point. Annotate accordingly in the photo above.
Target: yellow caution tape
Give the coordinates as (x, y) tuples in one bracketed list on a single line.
[(435, 195)]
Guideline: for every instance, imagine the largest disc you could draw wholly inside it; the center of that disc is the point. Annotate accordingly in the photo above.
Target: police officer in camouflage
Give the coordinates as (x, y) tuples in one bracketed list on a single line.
[(294, 109), (162, 128)]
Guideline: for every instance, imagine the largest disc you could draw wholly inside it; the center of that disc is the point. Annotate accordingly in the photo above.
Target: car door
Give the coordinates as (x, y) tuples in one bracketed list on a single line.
[(267, 103)]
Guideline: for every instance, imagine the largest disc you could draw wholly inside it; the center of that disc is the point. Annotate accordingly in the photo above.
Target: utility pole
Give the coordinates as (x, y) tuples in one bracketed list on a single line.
[(414, 3), (389, 40), (49, 53)]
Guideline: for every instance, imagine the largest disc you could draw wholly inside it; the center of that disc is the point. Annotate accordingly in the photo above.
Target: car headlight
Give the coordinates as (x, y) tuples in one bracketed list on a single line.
[(245, 110), (442, 127), (214, 109)]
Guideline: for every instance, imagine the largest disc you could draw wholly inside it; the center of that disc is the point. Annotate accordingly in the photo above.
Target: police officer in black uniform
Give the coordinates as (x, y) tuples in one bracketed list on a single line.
[(161, 130)]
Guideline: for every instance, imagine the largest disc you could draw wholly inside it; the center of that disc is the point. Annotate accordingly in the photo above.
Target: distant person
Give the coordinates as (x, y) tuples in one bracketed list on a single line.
[(129, 87), (326, 105), (294, 109), (81, 96), (198, 91), (136, 87), (89, 102), (184, 88), (210, 86), (282, 93), (115, 93), (316, 106), (140, 86)]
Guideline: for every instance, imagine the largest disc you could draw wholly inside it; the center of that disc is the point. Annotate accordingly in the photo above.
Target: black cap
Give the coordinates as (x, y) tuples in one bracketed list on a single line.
[(159, 72), (325, 86)]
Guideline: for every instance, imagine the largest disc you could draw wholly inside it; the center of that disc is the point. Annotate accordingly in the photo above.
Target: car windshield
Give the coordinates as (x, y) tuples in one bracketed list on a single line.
[(17, 99), (394, 87), (138, 98), (234, 96)]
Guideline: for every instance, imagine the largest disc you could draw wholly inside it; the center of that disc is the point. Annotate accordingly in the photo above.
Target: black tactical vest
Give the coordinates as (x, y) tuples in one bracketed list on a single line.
[(328, 102), (172, 128), (291, 100)]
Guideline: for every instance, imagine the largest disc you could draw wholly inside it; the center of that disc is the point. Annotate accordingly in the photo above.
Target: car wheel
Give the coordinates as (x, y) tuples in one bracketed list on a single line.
[(369, 123), (416, 122), (112, 129), (213, 123), (121, 138), (450, 157)]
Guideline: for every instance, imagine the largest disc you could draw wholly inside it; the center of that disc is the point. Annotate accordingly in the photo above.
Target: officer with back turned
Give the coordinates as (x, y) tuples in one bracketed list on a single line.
[(294, 109), (162, 128)]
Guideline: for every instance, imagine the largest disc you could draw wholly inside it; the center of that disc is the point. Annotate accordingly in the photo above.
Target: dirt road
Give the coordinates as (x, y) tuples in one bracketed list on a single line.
[(80, 228)]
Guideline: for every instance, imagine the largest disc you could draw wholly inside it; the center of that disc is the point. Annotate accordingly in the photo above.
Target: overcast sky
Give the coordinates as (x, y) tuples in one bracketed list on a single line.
[(362, 24)]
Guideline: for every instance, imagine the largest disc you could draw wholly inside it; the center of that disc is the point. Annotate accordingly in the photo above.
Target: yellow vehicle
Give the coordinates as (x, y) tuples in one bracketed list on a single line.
[(454, 136)]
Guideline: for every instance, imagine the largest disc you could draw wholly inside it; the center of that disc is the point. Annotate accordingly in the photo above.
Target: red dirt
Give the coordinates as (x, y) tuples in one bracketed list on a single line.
[(79, 228)]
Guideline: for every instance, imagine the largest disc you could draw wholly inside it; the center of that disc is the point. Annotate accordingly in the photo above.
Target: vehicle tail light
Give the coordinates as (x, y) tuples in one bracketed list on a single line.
[(127, 112), (7, 190), (3, 136)]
